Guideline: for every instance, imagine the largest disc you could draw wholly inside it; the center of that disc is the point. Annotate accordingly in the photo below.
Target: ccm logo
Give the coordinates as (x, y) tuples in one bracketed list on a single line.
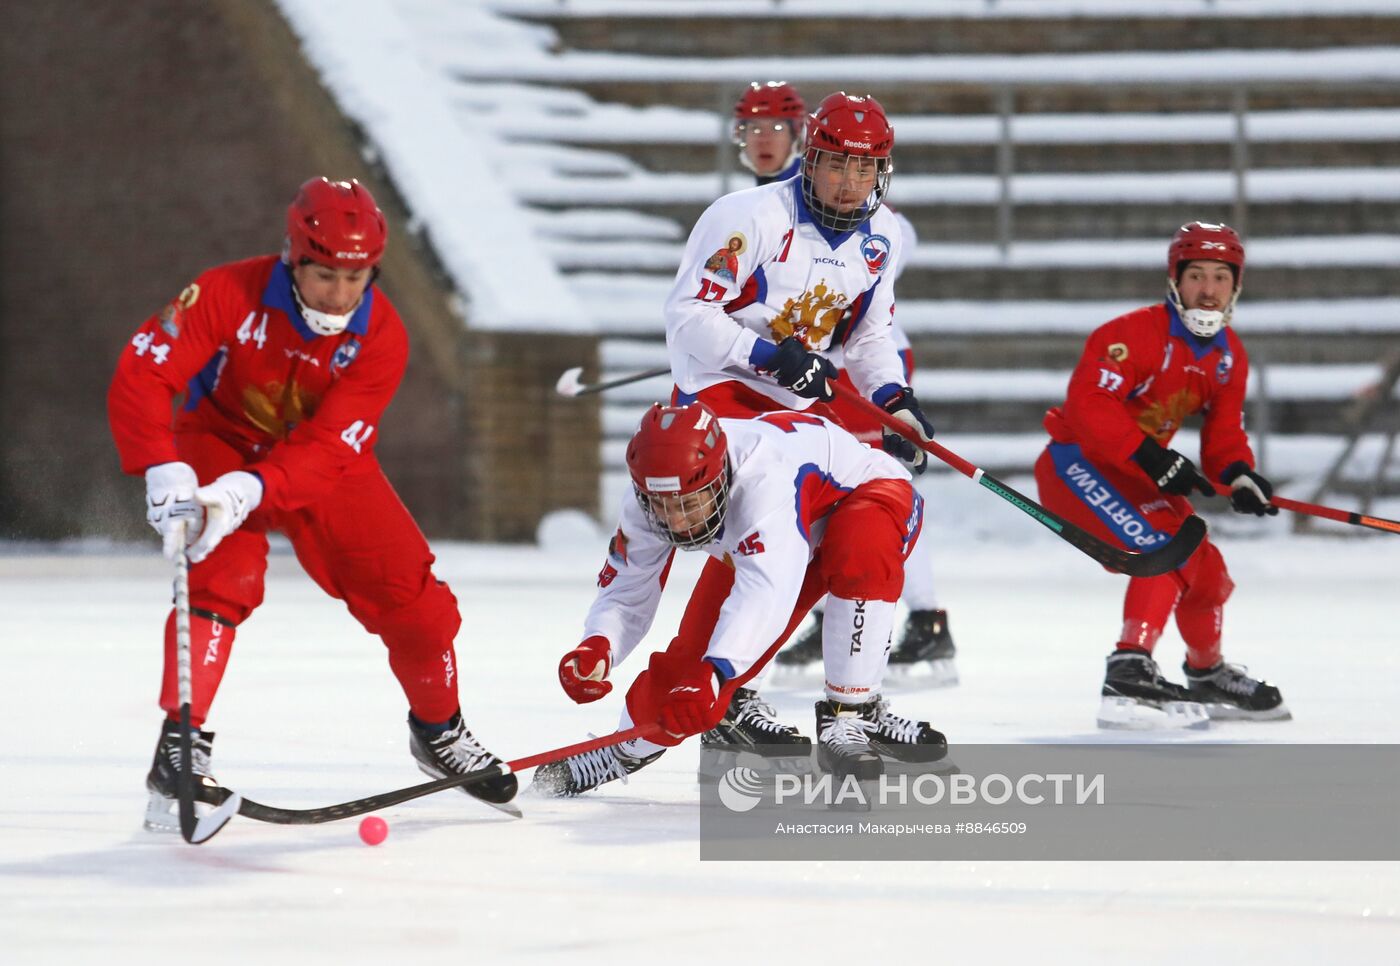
[(857, 144), (352, 254)]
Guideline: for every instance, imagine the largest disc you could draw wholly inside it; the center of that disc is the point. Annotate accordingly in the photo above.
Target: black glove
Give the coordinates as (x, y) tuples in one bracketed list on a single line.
[(904, 406), (804, 372), (1249, 492), (1172, 472)]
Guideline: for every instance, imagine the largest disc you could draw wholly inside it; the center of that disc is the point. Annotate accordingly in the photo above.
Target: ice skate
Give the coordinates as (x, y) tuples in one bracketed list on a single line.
[(577, 774), (1137, 698), (751, 724), (843, 741), (1230, 694), (455, 752), (925, 650), (163, 780), (903, 739)]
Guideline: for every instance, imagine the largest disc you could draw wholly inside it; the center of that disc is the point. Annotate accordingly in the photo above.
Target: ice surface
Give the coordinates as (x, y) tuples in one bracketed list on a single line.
[(309, 715)]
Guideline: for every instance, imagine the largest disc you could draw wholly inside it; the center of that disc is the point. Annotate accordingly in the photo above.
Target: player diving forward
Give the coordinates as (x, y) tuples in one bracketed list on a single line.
[(794, 507)]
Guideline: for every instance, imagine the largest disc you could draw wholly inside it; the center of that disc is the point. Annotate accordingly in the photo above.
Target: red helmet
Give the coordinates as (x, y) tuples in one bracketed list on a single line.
[(679, 463), (1199, 240), (335, 223), (848, 126), (778, 103), (851, 124), (773, 99), (1203, 241)]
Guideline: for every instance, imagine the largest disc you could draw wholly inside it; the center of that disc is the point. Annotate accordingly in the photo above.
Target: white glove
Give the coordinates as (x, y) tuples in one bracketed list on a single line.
[(170, 504), (226, 502)]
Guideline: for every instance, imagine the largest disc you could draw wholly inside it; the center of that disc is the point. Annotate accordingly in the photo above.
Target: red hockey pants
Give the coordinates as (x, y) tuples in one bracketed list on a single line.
[(1197, 590), (861, 556), (361, 546)]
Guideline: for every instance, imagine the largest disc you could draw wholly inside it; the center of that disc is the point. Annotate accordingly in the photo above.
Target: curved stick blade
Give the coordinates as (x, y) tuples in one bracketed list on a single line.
[(569, 384)]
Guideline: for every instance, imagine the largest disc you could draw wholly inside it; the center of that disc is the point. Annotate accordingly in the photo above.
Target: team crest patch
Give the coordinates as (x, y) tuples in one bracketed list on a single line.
[(170, 319), (812, 317), (189, 296), (876, 252), (1118, 351), (345, 355), (1223, 370), (724, 263)]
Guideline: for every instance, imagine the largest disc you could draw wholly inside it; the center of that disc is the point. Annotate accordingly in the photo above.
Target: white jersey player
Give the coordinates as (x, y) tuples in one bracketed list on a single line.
[(793, 507), (775, 277)]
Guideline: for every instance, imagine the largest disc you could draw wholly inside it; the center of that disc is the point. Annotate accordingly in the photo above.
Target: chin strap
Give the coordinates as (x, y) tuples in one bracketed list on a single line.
[(322, 323), (1203, 323)]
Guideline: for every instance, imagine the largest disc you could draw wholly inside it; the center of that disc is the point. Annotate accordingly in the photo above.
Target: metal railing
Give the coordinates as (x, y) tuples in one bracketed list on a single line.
[(1004, 97)]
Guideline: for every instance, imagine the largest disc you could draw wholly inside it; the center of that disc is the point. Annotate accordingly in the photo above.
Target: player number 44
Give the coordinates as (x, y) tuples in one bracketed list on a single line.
[(356, 433), (145, 342), (246, 331)]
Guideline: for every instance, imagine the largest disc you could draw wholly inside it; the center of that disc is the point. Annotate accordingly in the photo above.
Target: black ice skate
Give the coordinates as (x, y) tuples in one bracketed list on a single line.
[(843, 741), (901, 738), (806, 650), (925, 649), (1137, 697), (582, 773), (1229, 693), (455, 752), (163, 780), (750, 724)]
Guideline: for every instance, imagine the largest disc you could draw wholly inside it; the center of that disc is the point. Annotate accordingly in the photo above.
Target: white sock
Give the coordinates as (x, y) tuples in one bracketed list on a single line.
[(856, 647)]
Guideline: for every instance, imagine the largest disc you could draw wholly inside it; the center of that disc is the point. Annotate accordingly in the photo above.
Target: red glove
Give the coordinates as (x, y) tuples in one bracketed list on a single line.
[(583, 672), (691, 706)]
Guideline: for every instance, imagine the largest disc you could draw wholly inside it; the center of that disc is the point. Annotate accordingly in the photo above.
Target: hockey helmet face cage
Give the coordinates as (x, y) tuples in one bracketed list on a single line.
[(335, 223), (775, 104), (847, 165), (1203, 241), (679, 463)]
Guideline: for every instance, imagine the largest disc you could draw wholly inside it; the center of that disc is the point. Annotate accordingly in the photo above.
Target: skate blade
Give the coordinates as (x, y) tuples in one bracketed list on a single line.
[(714, 763), (509, 808), (163, 816), (1125, 714), (1228, 712), (942, 673)]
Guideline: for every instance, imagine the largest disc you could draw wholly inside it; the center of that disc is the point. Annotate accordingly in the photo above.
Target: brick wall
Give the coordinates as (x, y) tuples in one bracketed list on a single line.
[(141, 143)]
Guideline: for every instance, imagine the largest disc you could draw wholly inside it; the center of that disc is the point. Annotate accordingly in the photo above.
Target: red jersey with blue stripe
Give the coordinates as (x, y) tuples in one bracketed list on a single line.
[(303, 409), (1142, 374)]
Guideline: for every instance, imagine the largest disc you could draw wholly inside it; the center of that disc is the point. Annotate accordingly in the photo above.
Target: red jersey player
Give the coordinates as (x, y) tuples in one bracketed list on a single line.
[(286, 365), (1109, 469)]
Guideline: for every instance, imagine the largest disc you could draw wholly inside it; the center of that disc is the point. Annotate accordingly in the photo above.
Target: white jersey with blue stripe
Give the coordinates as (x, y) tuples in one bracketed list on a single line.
[(788, 472), (757, 267)]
